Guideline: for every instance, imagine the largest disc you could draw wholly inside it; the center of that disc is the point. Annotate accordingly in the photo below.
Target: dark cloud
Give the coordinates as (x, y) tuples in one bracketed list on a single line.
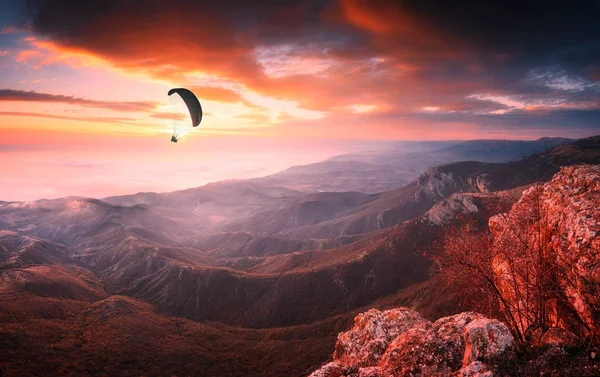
[(452, 55), (20, 95), (542, 28), (552, 30), (493, 44)]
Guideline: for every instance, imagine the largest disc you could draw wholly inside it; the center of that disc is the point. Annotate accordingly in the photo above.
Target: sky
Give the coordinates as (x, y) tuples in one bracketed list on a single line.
[(84, 110)]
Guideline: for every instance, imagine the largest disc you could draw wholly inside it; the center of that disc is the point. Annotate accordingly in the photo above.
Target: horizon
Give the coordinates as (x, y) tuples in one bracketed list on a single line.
[(259, 172), (84, 107)]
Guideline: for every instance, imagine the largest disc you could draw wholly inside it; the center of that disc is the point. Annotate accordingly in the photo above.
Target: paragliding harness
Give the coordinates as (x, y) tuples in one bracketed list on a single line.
[(173, 139)]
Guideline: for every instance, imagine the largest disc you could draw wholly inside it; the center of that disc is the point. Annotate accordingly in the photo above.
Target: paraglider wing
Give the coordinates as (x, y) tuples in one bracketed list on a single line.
[(192, 104)]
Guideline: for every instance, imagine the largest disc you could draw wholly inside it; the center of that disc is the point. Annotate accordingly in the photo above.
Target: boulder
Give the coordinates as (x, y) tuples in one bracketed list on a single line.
[(486, 339), (429, 350), (371, 335), (557, 337)]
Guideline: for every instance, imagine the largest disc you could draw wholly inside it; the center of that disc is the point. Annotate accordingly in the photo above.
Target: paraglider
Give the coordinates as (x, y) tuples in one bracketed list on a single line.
[(181, 100)]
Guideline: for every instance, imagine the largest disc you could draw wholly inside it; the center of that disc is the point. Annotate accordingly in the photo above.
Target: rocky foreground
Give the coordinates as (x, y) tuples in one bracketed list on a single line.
[(399, 342), (558, 221)]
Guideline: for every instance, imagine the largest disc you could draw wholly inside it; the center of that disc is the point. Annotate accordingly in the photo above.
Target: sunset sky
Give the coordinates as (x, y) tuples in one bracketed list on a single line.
[(84, 110)]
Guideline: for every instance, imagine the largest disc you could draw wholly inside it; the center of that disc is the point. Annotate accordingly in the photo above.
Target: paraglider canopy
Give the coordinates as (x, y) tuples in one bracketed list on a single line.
[(192, 103), (181, 100)]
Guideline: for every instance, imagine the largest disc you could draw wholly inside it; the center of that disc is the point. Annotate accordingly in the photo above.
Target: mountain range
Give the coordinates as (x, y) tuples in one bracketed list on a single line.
[(248, 277)]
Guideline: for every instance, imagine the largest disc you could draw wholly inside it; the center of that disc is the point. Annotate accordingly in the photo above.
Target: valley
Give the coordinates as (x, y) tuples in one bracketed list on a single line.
[(247, 277)]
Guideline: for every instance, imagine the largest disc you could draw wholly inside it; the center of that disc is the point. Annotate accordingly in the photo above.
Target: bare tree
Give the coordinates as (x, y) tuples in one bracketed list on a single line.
[(513, 277), (467, 263)]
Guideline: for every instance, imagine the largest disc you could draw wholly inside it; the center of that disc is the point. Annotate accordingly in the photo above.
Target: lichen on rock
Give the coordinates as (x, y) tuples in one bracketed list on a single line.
[(413, 346), (485, 339), (373, 331)]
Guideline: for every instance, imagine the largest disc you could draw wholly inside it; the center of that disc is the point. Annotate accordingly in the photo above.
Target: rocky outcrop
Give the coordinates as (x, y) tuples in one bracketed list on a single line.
[(486, 339), (371, 335), (429, 350), (436, 183), (553, 228), (574, 198), (481, 182), (399, 342), (457, 204), (477, 205), (441, 181), (556, 226)]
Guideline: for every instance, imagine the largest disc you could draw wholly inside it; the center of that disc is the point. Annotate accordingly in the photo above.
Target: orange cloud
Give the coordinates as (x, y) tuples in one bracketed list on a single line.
[(366, 58), (176, 51), (379, 18), (284, 116), (8, 29), (219, 94), (46, 52), (259, 119), (164, 43), (168, 116), (399, 32), (407, 67), (25, 55)]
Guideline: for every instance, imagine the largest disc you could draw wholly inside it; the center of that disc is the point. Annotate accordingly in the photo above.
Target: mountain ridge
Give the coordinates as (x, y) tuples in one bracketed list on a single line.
[(168, 251)]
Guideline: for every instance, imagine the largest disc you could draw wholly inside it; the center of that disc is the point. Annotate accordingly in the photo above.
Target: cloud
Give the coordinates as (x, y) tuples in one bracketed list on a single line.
[(82, 119), (220, 94), (8, 29), (508, 27), (6, 148), (258, 119), (161, 38), (32, 96), (396, 58), (283, 116), (217, 94), (212, 37), (168, 116)]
